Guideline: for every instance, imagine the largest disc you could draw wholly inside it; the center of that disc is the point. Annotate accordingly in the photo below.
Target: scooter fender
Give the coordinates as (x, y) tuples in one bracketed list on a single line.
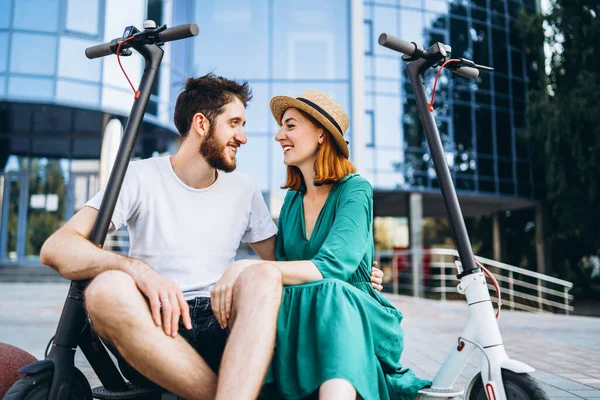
[(515, 366), (37, 366)]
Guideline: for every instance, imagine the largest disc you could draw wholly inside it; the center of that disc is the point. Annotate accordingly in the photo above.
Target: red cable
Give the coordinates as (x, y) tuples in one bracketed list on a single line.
[(136, 94), (496, 286), (430, 104)]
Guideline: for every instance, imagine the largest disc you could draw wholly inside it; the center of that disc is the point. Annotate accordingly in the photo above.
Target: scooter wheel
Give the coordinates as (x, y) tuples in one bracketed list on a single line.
[(517, 387), (37, 387)]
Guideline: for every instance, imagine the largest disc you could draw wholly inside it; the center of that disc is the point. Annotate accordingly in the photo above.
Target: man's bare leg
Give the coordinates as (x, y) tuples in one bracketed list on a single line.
[(120, 314), (256, 300)]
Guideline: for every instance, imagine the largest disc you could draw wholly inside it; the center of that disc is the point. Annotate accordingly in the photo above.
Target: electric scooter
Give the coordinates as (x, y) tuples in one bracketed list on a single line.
[(500, 378), (56, 377)]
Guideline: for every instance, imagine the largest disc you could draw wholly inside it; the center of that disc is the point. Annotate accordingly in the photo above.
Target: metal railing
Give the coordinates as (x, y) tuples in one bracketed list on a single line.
[(521, 289)]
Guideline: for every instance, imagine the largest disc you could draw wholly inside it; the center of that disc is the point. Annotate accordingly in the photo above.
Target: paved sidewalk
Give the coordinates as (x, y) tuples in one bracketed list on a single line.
[(565, 350)]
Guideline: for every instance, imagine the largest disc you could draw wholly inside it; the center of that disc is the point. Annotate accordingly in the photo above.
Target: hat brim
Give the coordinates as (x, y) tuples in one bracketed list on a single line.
[(281, 103)]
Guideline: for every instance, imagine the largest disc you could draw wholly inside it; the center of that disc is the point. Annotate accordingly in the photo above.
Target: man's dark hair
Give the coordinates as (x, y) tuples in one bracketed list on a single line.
[(208, 95)]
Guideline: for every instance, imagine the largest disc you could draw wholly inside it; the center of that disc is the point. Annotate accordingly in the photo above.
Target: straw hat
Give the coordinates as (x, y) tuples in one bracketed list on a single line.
[(319, 106)]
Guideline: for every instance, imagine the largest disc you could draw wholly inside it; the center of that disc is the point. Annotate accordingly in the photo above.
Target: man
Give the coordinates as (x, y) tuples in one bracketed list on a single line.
[(186, 216)]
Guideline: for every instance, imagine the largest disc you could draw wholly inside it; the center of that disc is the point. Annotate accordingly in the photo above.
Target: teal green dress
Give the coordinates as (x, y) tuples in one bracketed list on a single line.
[(338, 327)]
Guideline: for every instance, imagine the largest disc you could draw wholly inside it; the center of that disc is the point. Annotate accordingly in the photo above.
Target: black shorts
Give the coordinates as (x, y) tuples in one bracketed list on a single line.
[(206, 337)]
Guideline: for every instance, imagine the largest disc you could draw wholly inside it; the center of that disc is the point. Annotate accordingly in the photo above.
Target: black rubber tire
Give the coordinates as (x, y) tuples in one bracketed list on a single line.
[(37, 387), (517, 386)]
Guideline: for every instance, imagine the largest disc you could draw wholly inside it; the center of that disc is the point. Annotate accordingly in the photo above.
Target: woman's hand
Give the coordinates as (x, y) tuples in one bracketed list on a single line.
[(221, 295), (376, 277)]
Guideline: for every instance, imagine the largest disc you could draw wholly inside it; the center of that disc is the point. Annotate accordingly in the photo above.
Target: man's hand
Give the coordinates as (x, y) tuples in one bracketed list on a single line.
[(376, 277), (221, 295), (163, 295)]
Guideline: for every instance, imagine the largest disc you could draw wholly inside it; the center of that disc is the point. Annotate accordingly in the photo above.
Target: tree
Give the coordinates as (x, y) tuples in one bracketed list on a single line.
[(564, 132)]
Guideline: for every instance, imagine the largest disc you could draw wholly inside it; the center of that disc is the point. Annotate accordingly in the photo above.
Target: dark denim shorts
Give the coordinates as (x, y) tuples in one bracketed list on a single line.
[(206, 337)]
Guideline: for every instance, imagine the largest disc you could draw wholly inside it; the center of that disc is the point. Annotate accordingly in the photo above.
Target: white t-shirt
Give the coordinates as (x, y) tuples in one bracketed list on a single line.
[(188, 235)]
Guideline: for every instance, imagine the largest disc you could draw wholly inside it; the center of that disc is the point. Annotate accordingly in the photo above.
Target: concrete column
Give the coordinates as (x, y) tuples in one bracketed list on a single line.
[(497, 237), (540, 239), (415, 229), (357, 113)]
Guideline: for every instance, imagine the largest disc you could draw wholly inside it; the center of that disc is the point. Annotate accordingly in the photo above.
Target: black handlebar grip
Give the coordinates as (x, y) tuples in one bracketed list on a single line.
[(99, 50), (178, 32), (467, 72), (397, 44)]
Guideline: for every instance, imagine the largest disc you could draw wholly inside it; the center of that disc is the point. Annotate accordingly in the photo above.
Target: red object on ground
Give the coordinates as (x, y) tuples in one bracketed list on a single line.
[(11, 360), (403, 261)]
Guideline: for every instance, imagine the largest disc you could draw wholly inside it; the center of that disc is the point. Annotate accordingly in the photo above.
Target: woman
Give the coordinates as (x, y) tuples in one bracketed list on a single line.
[(336, 336)]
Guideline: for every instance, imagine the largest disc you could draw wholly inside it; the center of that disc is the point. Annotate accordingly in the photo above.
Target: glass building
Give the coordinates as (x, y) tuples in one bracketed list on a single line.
[(59, 111), (55, 104)]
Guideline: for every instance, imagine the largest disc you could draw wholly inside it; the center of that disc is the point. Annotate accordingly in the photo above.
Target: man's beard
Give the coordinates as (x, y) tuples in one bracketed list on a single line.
[(214, 152)]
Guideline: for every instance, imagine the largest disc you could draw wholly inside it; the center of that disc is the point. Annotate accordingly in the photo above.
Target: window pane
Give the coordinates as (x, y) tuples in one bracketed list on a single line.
[(41, 61), (387, 160), (500, 51), (411, 26), (387, 122), (459, 37), (5, 6), (2, 85), (369, 39), (435, 21), (310, 39), (71, 64), (437, 5), (503, 134), (338, 91), (36, 15), (462, 127), (3, 51), (37, 88), (479, 36), (258, 116), (385, 20), (387, 68), (257, 167), (505, 169), (369, 128), (484, 131), (77, 92), (243, 26), (82, 16)]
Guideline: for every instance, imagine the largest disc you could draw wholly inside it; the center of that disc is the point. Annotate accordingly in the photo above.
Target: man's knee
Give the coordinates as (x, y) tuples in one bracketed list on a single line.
[(262, 278), (110, 293)]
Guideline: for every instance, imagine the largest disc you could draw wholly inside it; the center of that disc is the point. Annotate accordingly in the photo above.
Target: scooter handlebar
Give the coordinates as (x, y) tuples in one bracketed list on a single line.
[(99, 50), (178, 32), (168, 35), (397, 44), (467, 72)]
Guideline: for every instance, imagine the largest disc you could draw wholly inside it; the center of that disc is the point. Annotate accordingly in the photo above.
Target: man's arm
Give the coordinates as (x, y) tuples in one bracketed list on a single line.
[(69, 251), (265, 248)]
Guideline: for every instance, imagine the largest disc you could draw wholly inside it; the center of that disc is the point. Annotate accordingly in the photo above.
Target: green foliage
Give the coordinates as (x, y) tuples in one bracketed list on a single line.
[(564, 131)]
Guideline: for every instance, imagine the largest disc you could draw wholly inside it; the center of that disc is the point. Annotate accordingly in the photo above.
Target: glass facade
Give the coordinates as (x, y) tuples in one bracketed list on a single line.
[(479, 122), (55, 104), (281, 47)]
